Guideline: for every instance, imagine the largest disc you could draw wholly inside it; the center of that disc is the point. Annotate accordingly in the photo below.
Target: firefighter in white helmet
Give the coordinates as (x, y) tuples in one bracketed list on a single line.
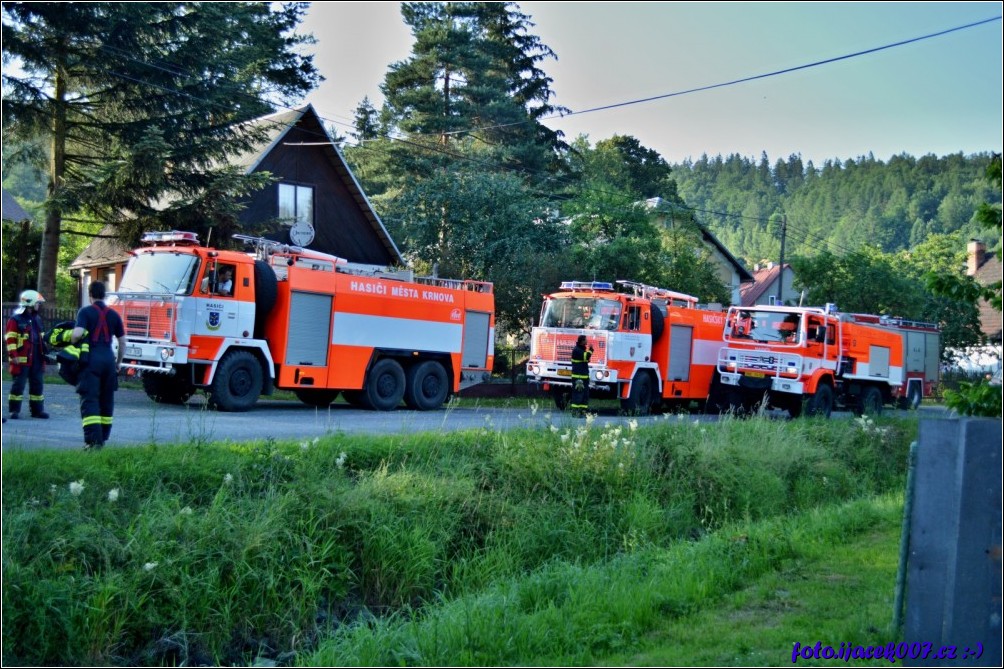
[(26, 355)]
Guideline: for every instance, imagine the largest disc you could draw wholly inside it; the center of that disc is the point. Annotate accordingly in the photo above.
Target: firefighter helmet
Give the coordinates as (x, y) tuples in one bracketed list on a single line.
[(31, 298)]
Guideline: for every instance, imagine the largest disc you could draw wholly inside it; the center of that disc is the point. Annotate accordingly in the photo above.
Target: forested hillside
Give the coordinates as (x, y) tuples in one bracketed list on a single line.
[(839, 207)]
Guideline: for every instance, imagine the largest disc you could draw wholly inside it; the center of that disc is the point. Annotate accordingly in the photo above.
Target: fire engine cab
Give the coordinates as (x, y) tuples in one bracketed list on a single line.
[(817, 359), (239, 324), (652, 346)]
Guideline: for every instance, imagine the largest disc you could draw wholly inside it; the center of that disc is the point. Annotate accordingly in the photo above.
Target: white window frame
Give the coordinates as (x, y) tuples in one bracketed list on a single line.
[(302, 200)]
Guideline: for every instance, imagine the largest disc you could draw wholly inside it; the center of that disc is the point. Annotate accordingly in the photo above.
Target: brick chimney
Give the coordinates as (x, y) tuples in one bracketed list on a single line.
[(974, 256)]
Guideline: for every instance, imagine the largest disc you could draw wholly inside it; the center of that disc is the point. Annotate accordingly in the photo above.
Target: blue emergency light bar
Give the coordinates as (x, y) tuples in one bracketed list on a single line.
[(586, 285)]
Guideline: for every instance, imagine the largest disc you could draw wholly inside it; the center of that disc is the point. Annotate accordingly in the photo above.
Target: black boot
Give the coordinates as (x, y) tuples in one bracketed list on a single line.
[(37, 410), (14, 409)]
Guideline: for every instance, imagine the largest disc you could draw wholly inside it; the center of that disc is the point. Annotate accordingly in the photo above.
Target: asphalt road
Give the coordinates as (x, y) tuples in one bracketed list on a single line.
[(139, 421)]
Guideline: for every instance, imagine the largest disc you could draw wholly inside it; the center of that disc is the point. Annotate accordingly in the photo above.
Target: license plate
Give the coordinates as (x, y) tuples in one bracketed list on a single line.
[(756, 375), (564, 372), (133, 350)]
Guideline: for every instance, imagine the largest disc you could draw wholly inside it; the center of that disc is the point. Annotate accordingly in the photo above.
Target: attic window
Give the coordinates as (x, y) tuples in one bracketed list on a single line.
[(296, 203)]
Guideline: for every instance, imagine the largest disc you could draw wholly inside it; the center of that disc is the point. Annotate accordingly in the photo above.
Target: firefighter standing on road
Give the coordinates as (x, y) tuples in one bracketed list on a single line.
[(579, 402), (26, 354), (99, 378)]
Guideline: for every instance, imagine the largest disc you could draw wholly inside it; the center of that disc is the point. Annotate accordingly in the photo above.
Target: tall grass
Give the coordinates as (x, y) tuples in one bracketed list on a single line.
[(225, 553)]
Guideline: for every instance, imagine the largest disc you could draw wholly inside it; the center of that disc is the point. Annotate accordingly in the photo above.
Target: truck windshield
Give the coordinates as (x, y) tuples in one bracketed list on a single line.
[(160, 273), (762, 326), (581, 312)]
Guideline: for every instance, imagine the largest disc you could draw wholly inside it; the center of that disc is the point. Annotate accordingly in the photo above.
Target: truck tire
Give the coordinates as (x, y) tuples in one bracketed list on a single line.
[(316, 397), (385, 385), (169, 388), (238, 382), (266, 290), (869, 403), (639, 402), (658, 323), (426, 386), (821, 403)]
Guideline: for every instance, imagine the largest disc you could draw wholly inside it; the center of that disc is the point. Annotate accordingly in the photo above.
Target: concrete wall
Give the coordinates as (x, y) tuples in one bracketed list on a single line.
[(954, 565)]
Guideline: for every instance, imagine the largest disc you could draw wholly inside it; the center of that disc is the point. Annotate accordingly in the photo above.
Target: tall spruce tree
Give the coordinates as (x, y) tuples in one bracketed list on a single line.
[(473, 84), (143, 102)]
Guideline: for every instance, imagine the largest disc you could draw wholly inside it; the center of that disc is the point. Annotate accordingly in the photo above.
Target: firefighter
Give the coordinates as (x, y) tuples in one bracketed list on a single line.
[(579, 401), (26, 353), (96, 325)]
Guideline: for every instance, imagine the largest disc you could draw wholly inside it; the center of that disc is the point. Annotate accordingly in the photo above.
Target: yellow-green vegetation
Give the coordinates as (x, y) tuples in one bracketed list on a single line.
[(557, 546)]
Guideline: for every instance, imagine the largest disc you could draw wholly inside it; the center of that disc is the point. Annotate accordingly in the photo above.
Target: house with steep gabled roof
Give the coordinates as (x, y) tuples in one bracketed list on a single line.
[(765, 289), (316, 202)]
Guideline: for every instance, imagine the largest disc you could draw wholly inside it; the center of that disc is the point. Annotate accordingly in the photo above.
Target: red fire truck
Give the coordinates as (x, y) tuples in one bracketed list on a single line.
[(238, 324), (817, 359), (652, 346)]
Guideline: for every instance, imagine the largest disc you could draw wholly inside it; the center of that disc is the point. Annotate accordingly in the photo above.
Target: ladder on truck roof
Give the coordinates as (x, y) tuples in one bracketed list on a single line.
[(655, 293)]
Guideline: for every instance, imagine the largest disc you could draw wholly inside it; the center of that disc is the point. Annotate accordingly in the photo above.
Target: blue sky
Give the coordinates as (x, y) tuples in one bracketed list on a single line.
[(940, 96)]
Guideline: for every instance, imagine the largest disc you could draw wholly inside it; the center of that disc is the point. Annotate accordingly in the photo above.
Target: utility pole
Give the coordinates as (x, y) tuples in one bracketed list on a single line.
[(780, 275)]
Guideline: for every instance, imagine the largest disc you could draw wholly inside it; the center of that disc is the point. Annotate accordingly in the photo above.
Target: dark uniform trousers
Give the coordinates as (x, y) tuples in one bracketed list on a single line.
[(98, 383), (579, 400)]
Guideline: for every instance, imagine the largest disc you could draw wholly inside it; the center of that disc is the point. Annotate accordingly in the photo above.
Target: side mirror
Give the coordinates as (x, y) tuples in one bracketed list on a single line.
[(820, 334)]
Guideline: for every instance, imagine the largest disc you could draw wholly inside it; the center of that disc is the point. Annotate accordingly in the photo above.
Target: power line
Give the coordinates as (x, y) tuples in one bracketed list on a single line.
[(755, 77)]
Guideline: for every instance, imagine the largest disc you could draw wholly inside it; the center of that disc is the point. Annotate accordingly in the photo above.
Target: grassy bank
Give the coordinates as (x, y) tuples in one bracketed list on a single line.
[(224, 553)]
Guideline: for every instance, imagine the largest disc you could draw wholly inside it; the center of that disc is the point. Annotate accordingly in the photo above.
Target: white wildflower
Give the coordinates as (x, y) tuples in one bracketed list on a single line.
[(554, 428), (52, 489), (533, 409), (228, 478), (187, 511), (340, 461), (150, 566), (590, 419), (113, 495), (77, 487), (565, 437), (632, 425)]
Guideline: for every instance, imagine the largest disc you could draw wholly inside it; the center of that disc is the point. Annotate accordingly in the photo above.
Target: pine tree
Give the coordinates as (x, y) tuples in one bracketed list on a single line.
[(143, 102)]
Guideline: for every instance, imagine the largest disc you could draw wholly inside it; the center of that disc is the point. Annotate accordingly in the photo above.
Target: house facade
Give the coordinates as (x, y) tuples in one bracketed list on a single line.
[(985, 267), (316, 202)]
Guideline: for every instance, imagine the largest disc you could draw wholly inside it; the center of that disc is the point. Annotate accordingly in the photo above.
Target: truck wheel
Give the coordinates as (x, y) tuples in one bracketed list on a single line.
[(561, 397), (639, 402), (237, 384), (316, 397), (426, 386), (168, 388), (870, 402), (820, 404), (384, 387)]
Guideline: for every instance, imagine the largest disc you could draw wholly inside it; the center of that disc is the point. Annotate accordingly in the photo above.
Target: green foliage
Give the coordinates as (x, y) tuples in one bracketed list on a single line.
[(979, 398), (138, 116), (220, 554), (475, 224), (839, 206)]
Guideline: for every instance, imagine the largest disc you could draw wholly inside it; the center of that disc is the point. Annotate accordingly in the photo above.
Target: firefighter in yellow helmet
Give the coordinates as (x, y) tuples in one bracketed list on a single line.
[(26, 355)]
